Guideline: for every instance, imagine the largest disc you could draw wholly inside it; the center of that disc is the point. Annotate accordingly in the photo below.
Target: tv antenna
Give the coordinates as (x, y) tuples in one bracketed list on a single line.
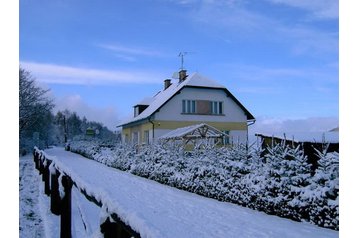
[(181, 55)]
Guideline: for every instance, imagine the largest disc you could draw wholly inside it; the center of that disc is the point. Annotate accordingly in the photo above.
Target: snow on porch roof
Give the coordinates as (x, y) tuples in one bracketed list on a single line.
[(194, 131)]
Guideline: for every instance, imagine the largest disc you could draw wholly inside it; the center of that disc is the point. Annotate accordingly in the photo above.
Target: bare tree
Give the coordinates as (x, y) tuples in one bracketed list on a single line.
[(35, 116), (33, 101)]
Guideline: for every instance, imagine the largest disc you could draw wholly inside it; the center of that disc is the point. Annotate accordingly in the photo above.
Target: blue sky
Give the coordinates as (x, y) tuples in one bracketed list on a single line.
[(278, 57)]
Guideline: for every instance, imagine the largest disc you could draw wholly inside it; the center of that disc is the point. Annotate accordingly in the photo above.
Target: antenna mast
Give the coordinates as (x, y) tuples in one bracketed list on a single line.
[(181, 54)]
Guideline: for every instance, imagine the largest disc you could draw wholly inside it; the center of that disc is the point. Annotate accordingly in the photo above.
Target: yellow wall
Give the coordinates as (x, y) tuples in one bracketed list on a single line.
[(139, 128), (227, 126), (171, 125)]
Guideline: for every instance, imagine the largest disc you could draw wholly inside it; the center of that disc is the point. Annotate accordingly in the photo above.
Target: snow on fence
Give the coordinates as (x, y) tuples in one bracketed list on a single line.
[(58, 181), (149, 208)]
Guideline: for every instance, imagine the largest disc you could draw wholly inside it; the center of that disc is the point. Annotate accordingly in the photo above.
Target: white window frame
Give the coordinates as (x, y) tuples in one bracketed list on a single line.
[(215, 107), (189, 106)]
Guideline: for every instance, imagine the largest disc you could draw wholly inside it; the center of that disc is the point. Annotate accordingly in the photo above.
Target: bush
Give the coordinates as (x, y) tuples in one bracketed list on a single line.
[(278, 183)]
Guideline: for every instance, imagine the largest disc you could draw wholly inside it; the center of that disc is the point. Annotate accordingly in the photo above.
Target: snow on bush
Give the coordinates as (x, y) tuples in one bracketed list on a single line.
[(277, 181)]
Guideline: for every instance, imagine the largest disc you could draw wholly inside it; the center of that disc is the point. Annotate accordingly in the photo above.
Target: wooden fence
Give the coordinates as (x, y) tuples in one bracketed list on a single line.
[(62, 205)]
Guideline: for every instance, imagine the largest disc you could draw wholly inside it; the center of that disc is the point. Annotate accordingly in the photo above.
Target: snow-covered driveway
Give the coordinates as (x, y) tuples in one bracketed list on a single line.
[(156, 210)]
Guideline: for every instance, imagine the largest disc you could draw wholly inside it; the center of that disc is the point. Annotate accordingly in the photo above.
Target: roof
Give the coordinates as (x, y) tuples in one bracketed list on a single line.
[(194, 131), (315, 137), (193, 80), (146, 101)]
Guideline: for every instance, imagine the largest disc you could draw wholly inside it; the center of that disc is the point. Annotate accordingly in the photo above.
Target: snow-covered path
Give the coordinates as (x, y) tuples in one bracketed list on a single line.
[(156, 210), (31, 224)]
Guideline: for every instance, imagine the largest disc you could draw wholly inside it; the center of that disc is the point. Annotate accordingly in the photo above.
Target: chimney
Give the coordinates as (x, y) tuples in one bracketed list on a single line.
[(182, 75), (167, 83)]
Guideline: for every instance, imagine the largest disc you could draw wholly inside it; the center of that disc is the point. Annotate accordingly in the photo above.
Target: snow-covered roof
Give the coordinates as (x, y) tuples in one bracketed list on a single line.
[(146, 101), (194, 131), (319, 137), (193, 80)]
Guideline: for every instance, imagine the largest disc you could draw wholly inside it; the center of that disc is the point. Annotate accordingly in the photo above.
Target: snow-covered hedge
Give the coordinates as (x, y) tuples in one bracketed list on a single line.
[(278, 182)]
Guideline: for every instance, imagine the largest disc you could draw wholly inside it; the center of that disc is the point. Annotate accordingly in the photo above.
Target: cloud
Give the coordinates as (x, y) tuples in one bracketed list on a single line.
[(260, 73), (270, 125), (108, 116), (232, 15), (130, 50), (128, 53), (323, 9), (309, 41), (269, 77), (239, 18), (60, 74)]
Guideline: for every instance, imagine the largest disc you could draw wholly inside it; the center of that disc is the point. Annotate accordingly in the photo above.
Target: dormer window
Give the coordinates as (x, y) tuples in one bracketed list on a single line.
[(138, 109)]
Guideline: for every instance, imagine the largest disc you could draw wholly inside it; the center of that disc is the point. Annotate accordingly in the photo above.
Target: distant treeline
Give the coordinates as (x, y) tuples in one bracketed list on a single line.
[(39, 126)]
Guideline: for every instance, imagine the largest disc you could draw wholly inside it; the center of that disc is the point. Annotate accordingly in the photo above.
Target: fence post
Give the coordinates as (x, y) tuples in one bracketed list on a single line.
[(46, 174), (55, 194), (110, 229), (43, 169), (39, 164), (66, 208), (36, 157), (115, 229), (37, 161)]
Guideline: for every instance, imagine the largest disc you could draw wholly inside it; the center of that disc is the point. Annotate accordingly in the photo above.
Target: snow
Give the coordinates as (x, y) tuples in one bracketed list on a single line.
[(31, 222), (156, 210), (330, 136)]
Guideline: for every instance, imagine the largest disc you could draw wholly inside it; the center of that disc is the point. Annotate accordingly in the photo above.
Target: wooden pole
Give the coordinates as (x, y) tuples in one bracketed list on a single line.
[(43, 169), (47, 178), (34, 153), (36, 158), (55, 194), (66, 208), (117, 229), (40, 164)]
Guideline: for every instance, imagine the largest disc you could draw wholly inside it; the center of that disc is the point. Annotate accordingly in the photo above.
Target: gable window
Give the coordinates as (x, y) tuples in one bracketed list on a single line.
[(202, 107), (189, 106), (216, 107)]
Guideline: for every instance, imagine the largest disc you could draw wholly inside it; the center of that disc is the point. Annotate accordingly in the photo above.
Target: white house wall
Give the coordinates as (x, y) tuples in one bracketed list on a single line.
[(237, 136), (172, 110)]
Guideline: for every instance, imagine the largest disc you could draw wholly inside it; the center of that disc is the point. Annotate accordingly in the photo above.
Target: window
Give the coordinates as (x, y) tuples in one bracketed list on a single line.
[(216, 108), (146, 137), (202, 107), (189, 106), (135, 137), (226, 140), (136, 111)]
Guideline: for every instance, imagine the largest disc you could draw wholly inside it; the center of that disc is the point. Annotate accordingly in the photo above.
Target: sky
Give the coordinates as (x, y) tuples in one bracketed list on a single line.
[(279, 58)]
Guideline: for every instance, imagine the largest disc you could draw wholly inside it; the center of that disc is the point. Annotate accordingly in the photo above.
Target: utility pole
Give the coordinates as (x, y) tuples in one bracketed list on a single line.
[(65, 127)]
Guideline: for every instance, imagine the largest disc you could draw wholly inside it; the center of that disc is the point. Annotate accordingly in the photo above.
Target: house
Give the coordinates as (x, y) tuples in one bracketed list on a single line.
[(189, 100)]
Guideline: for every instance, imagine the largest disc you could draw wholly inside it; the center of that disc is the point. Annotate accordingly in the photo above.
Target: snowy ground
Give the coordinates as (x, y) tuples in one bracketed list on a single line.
[(31, 223), (154, 210)]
